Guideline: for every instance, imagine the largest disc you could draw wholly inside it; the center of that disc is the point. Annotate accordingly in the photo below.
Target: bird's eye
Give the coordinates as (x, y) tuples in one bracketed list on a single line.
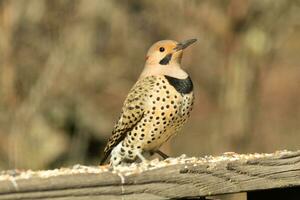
[(161, 49)]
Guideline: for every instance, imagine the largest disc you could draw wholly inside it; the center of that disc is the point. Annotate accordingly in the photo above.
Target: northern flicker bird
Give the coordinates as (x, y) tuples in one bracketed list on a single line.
[(156, 107)]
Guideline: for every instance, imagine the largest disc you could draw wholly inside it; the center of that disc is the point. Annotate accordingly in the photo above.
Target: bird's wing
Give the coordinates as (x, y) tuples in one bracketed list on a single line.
[(132, 113)]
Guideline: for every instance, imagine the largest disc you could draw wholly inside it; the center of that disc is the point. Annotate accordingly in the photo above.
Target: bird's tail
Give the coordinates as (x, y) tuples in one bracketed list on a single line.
[(104, 159)]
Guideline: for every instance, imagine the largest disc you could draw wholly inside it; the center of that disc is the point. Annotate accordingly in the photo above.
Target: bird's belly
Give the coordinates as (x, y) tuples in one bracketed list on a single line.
[(166, 110), (165, 119), (155, 109)]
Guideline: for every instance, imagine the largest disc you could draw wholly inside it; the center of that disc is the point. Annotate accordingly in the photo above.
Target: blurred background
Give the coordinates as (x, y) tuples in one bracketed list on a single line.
[(67, 65)]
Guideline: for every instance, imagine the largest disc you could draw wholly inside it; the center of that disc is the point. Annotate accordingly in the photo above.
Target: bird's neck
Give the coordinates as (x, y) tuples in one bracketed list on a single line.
[(173, 70)]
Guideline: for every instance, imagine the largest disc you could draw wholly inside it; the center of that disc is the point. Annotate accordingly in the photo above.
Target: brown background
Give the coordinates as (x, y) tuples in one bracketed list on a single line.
[(67, 65)]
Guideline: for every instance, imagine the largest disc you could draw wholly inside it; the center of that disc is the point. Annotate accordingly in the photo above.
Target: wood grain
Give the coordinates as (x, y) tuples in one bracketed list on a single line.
[(173, 181)]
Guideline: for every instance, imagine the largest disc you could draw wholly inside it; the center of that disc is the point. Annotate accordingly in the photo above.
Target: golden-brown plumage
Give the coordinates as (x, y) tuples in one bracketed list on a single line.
[(156, 107)]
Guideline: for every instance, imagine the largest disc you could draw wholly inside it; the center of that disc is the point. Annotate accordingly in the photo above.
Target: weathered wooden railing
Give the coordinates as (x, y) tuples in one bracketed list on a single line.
[(262, 176)]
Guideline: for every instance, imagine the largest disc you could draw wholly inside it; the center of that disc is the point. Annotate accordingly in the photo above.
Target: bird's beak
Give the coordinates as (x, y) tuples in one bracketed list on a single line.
[(184, 44)]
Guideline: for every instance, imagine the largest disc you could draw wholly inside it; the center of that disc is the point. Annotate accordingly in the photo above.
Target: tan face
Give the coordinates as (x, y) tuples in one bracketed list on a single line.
[(160, 50), (164, 57), (166, 52)]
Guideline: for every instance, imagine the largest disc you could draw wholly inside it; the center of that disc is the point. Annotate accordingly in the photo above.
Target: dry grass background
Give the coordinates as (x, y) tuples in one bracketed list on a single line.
[(66, 67)]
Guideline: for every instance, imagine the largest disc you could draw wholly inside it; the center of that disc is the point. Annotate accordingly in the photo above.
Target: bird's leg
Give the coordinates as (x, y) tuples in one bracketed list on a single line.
[(143, 159), (162, 154)]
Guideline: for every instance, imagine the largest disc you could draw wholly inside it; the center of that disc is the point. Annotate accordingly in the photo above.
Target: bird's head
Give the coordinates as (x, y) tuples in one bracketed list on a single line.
[(164, 57), (167, 52)]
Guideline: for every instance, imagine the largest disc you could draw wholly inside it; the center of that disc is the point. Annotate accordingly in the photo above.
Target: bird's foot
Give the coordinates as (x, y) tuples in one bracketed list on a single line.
[(143, 159), (162, 154)]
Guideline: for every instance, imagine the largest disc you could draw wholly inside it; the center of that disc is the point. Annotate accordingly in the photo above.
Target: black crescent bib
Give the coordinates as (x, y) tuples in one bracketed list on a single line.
[(183, 86)]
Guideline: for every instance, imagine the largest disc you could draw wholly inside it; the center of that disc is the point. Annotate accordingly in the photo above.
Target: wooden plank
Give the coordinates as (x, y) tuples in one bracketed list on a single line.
[(173, 178)]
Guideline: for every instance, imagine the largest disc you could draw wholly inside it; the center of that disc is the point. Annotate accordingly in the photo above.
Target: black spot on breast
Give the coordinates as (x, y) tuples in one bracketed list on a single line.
[(183, 86)]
